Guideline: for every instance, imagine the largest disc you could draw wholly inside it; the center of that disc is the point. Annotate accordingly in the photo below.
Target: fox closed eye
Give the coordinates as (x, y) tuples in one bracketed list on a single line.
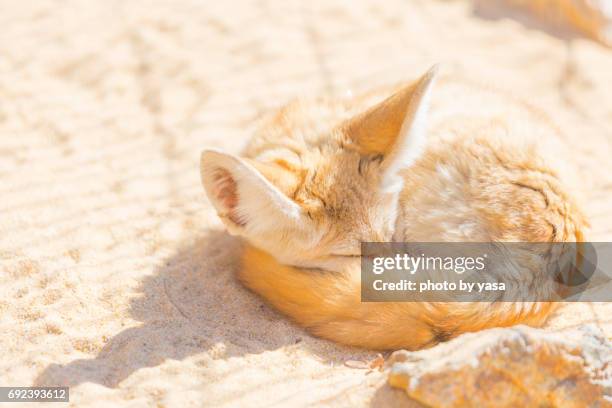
[(366, 161)]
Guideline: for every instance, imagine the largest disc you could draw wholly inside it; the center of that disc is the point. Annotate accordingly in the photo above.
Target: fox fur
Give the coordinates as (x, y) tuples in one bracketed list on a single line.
[(452, 162)]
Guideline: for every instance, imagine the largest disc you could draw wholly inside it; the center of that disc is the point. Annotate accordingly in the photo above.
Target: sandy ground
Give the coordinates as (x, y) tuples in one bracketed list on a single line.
[(116, 276)]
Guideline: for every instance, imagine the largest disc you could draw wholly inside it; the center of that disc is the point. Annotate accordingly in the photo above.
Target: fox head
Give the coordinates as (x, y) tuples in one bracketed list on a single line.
[(345, 190)]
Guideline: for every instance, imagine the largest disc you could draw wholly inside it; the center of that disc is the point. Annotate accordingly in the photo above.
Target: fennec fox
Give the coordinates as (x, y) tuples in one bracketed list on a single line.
[(455, 162)]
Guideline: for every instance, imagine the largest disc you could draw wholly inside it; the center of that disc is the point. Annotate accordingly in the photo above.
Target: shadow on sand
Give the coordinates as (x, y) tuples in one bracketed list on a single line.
[(192, 305)]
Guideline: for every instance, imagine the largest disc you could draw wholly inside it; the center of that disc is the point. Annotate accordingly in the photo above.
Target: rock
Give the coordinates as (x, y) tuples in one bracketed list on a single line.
[(512, 367), (592, 17)]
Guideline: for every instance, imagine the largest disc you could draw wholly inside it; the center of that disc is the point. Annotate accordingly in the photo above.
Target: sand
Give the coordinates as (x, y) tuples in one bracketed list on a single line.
[(116, 277)]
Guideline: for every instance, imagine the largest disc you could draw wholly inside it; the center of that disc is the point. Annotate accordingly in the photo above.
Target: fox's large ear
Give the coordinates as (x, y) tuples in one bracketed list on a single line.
[(243, 198), (395, 128)]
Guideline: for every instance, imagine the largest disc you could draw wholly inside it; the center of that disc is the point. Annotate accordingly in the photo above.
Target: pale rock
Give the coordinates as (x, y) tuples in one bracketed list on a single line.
[(511, 367), (592, 17)]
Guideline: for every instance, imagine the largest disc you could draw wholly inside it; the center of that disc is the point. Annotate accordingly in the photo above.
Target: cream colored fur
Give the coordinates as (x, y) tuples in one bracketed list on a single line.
[(454, 161)]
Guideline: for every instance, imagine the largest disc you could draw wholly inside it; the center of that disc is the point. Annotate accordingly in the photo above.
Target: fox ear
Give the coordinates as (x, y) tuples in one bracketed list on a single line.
[(243, 198), (395, 128)]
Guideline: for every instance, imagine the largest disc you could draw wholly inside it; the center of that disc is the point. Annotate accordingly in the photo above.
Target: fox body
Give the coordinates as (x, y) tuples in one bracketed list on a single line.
[(453, 162)]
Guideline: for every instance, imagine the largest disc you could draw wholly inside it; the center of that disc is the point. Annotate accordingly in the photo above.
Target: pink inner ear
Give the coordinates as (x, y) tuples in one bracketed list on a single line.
[(226, 192)]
